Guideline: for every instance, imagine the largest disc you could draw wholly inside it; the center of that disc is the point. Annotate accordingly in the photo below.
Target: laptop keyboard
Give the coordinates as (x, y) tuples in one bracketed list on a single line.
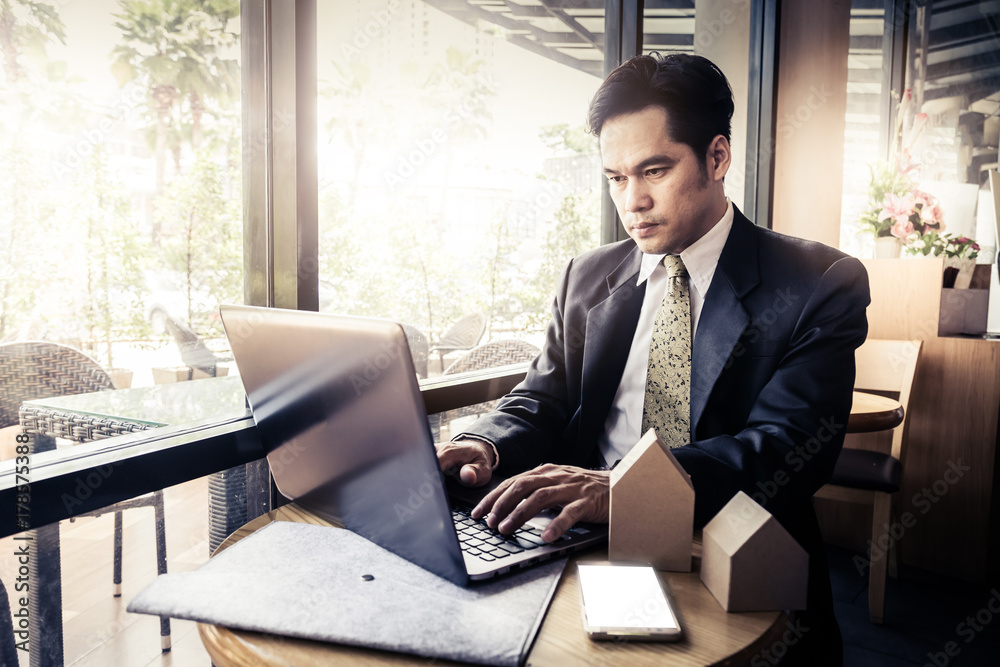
[(479, 540)]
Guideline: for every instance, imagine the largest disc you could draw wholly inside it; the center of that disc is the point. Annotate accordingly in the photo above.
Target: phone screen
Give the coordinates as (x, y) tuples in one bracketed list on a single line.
[(623, 597)]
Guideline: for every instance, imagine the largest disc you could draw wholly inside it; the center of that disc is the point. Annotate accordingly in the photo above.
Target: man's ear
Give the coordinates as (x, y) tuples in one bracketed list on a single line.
[(718, 158)]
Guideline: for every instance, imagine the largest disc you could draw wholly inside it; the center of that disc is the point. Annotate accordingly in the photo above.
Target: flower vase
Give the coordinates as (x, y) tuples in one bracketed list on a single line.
[(888, 247), (958, 272)]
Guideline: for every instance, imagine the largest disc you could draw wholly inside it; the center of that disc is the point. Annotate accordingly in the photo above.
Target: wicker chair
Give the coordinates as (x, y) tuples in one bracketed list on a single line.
[(417, 340), (489, 355), (464, 334), (36, 369)]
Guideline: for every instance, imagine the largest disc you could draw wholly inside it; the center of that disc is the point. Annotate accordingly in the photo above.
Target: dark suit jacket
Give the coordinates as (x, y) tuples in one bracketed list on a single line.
[(772, 371)]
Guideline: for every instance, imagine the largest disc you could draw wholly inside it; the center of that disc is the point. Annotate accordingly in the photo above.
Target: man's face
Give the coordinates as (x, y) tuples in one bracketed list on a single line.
[(667, 197)]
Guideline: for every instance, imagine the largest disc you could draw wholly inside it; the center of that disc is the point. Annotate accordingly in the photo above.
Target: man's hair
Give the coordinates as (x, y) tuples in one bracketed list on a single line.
[(692, 89)]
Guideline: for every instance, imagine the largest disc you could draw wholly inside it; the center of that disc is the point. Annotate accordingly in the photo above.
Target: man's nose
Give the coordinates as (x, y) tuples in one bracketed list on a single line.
[(637, 197)]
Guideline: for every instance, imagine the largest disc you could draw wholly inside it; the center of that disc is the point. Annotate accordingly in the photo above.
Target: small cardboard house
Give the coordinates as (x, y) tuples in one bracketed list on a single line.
[(750, 562), (652, 508)]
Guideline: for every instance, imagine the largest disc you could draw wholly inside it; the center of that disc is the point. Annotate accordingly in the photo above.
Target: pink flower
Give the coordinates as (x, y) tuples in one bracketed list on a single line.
[(905, 163), (899, 209), (902, 228)]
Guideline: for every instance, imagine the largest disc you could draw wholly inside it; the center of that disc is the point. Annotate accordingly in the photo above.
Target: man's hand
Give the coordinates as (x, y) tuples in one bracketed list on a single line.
[(584, 495), (472, 458)]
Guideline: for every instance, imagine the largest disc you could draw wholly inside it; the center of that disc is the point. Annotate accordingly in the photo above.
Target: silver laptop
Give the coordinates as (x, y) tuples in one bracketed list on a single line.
[(341, 417)]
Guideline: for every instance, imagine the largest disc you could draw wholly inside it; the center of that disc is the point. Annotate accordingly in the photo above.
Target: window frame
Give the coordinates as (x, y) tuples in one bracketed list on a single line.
[(278, 42)]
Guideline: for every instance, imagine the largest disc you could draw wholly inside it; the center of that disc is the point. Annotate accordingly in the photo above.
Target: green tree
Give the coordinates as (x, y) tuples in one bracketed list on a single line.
[(566, 140), (573, 231), (26, 28), (26, 217), (459, 93), (202, 238), (176, 49), (110, 305), (500, 267)]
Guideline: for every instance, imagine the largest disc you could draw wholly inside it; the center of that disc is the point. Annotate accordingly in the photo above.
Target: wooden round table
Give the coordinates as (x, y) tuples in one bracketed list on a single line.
[(871, 412), (712, 637)]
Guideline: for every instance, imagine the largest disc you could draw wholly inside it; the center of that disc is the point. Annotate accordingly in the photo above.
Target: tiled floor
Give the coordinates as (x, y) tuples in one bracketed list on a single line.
[(927, 615)]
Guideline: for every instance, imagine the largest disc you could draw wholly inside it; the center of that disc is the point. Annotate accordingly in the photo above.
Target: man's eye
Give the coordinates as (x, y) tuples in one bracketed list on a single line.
[(655, 171), (616, 179)]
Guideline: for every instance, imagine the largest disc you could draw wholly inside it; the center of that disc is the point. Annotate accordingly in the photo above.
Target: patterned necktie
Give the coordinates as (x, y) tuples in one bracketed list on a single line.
[(667, 405)]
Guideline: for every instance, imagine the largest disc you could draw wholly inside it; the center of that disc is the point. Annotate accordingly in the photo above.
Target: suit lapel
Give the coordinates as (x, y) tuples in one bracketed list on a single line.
[(610, 329), (723, 317)]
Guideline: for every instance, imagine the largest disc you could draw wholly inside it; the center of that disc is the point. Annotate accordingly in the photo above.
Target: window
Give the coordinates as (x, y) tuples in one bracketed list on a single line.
[(939, 122), (413, 98), (120, 203), (456, 178)]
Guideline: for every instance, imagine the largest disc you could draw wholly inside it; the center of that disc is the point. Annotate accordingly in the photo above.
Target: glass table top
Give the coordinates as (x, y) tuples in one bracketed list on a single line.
[(159, 405)]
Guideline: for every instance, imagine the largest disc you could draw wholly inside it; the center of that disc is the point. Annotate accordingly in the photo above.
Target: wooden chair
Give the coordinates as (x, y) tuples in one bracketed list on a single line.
[(39, 369), (869, 477)]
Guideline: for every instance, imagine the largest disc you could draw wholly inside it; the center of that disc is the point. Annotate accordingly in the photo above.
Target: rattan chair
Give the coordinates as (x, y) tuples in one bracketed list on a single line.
[(417, 340), (489, 355), (464, 334), (37, 369)]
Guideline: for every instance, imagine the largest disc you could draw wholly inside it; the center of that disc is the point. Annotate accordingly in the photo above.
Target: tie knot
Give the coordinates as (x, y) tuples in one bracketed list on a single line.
[(675, 266)]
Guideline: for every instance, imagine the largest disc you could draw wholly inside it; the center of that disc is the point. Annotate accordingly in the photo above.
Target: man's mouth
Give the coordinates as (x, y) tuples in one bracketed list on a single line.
[(644, 228)]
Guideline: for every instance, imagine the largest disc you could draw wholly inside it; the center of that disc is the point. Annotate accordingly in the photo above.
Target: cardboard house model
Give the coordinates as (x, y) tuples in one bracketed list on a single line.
[(652, 508), (750, 562)]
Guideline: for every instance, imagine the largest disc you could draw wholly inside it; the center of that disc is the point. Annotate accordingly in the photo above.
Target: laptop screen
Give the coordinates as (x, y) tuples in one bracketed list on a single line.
[(340, 415)]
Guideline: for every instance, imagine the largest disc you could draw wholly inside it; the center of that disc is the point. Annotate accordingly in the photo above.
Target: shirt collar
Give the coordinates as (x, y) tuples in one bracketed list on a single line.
[(700, 257)]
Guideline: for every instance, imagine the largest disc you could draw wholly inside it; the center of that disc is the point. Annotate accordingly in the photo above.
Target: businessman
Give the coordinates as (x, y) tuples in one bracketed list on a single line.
[(735, 343)]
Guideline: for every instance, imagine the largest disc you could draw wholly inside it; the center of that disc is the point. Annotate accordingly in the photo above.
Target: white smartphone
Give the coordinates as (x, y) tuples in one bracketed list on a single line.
[(626, 602)]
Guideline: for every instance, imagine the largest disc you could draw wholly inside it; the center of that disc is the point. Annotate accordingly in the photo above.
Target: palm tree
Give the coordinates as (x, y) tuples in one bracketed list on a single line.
[(26, 26), (176, 48)]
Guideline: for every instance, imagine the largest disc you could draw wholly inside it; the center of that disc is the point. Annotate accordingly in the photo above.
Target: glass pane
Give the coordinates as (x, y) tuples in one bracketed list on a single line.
[(865, 72), (120, 211), (96, 628), (121, 232), (943, 144), (719, 31), (456, 178)]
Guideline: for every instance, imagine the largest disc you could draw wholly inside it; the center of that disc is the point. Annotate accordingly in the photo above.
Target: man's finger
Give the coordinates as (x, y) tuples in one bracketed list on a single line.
[(485, 505), (453, 455), (568, 517), (475, 474), (535, 499)]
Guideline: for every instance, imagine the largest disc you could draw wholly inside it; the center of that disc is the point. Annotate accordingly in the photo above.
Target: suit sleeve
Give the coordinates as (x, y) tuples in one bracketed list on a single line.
[(529, 421), (797, 423)]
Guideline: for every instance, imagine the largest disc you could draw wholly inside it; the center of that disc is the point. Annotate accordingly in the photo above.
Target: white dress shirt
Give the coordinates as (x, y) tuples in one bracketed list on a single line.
[(624, 423)]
